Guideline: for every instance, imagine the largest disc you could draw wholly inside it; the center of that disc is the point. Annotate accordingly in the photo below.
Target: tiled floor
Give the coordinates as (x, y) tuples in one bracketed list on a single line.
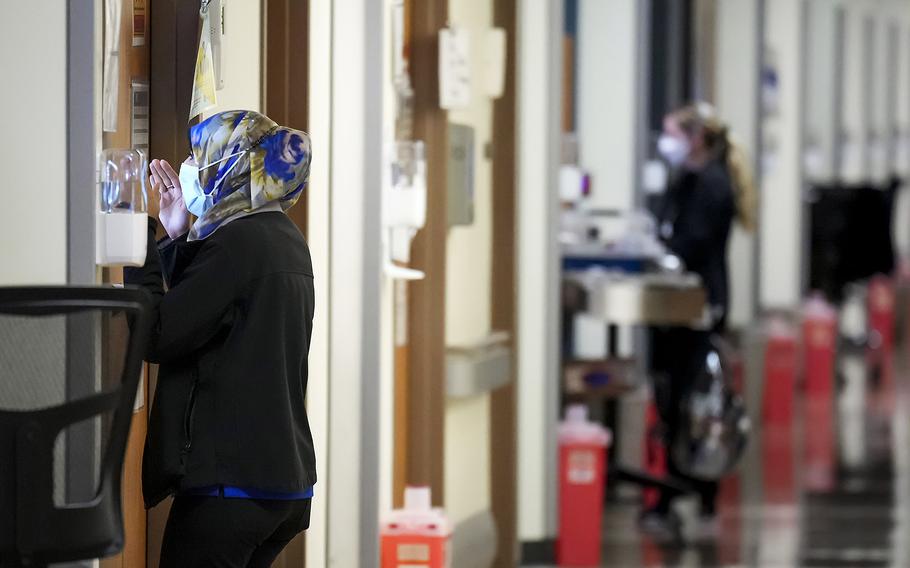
[(806, 494)]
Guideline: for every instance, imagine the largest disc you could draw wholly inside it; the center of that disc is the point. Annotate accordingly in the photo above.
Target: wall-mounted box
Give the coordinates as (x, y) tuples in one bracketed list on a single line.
[(461, 175), (478, 369)]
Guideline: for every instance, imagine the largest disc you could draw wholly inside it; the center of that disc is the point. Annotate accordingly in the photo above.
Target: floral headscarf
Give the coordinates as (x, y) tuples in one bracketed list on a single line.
[(271, 171)]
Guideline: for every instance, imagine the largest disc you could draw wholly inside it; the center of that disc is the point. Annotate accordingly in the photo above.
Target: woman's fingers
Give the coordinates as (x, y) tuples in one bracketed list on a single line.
[(169, 174), (158, 174)]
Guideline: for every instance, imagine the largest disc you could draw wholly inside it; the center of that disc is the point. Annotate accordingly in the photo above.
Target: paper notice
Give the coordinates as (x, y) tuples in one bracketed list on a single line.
[(138, 23), (454, 68), (139, 128), (111, 68), (204, 78)]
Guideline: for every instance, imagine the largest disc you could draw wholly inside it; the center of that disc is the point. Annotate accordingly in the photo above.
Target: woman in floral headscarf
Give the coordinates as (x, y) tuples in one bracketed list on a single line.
[(228, 431)]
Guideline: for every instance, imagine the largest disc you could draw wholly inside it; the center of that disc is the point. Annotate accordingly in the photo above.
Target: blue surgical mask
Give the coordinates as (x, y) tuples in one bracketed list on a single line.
[(196, 199)]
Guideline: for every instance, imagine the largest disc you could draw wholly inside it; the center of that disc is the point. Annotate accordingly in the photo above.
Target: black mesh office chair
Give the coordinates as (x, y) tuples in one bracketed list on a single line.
[(70, 363)]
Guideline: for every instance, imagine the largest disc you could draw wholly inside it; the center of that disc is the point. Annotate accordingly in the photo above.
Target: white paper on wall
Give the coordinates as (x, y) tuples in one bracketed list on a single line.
[(111, 68), (454, 68), (216, 29), (139, 115), (204, 77)]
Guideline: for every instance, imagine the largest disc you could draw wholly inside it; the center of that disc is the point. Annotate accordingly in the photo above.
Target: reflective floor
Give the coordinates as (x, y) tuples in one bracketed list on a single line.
[(829, 489)]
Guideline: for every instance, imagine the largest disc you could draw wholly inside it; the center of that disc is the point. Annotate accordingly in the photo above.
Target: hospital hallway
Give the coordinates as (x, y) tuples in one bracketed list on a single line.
[(805, 495)]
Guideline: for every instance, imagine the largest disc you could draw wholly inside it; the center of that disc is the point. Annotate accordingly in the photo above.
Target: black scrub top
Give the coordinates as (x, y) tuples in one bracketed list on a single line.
[(231, 334), (695, 219)]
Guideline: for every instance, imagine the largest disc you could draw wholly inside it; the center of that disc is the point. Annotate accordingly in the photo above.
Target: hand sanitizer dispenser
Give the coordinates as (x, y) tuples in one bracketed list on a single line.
[(121, 226), (405, 206)]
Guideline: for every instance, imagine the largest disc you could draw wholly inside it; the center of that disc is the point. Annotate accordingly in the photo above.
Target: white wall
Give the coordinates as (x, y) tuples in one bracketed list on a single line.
[(389, 288), (240, 60), (319, 229), (354, 298), (856, 93), (781, 230), (736, 100), (900, 12), (33, 218), (607, 97), (881, 116), (346, 97), (468, 276), (821, 88), (539, 76)]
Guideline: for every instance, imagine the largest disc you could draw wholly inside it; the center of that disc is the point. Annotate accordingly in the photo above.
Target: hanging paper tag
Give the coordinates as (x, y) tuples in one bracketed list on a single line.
[(204, 77), (111, 69), (454, 68)]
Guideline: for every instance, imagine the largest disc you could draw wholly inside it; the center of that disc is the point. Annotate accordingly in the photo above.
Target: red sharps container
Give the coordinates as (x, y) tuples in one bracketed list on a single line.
[(781, 363), (820, 349), (881, 325), (820, 346), (582, 471), (417, 535)]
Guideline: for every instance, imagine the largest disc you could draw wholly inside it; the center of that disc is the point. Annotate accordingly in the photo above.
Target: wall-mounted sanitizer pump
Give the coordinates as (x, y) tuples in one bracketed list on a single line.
[(405, 205), (121, 226)]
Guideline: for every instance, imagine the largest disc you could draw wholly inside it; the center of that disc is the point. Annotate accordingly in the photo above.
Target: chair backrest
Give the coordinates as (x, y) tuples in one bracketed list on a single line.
[(70, 365)]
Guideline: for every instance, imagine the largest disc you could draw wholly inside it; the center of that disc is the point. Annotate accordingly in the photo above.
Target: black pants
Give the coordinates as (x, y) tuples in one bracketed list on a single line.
[(218, 532), (676, 354)]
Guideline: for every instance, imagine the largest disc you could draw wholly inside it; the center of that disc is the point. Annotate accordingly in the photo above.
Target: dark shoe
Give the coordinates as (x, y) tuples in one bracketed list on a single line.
[(663, 528)]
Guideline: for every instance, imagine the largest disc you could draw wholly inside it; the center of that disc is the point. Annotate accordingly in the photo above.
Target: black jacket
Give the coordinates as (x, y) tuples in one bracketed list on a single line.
[(231, 335), (695, 222)]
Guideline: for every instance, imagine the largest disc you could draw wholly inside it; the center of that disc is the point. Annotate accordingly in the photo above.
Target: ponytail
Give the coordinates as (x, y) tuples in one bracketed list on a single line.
[(701, 117), (744, 193)]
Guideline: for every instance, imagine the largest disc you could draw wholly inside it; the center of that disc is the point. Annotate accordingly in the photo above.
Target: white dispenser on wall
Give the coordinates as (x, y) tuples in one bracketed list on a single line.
[(121, 223), (405, 205)]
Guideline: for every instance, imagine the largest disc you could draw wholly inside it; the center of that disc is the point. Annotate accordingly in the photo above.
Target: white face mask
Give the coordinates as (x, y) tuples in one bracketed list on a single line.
[(196, 200), (674, 150)]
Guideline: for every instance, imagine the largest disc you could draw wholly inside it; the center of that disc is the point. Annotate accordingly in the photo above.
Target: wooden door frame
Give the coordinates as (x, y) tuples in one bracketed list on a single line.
[(503, 316), (285, 99), (426, 299), (285, 75)]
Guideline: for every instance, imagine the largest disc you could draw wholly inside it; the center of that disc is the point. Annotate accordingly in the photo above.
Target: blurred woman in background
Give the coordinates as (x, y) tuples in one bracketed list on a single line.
[(711, 187)]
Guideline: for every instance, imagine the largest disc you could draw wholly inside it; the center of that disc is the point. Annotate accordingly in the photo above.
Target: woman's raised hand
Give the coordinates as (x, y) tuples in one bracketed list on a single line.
[(171, 209)]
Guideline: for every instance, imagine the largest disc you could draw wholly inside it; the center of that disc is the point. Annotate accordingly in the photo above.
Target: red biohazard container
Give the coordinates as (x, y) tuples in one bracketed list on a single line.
[(781, 363), (655, 454), (417, 535), (582, 471), (881, 323), (819, 347)]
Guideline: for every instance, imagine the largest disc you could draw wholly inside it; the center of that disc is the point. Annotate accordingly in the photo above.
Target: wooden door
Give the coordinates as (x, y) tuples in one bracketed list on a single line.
[(173, 37), (285, 79)]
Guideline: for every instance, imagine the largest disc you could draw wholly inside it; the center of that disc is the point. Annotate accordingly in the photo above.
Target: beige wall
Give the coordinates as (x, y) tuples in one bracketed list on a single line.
[(781, 236), (468, 273), (735, 96), (33, 146), (240, 57)]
